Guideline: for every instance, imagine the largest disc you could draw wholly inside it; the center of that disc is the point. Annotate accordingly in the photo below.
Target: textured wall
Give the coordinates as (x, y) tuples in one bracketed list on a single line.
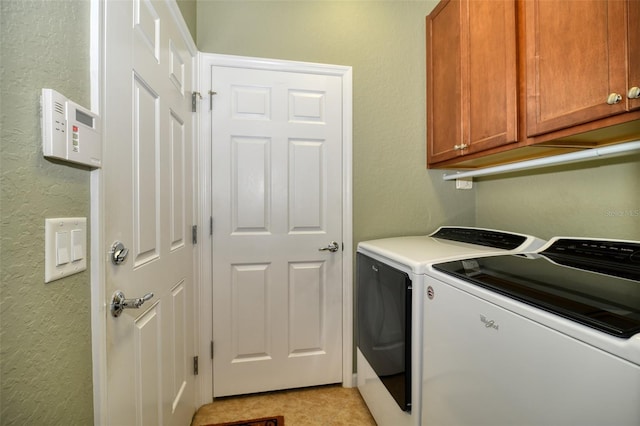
[(45, 335), (592, 199), (384, 42), (189, 10)]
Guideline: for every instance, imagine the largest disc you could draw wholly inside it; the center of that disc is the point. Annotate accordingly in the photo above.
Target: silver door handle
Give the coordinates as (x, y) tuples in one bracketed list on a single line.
[(119, 303), (332, 247)]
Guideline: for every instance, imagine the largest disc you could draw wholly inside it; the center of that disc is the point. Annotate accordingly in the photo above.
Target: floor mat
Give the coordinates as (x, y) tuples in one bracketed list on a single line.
[(265, 421)]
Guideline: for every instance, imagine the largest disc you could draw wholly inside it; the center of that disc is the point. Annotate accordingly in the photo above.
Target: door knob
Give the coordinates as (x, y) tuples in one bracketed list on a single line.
[(118, 253), (119, 303), (332, 247)]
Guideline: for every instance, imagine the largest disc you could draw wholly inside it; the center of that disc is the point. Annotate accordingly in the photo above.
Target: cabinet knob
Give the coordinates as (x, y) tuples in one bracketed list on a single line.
[(614, 98), (634, 93), (460, 147)]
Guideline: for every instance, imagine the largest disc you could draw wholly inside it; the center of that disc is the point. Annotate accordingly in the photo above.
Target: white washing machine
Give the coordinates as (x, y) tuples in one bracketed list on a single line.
[(546, 339), (390, 283)]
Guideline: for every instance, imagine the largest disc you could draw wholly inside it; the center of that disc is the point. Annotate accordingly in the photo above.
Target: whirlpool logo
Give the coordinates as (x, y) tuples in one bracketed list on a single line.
[(489, 323)]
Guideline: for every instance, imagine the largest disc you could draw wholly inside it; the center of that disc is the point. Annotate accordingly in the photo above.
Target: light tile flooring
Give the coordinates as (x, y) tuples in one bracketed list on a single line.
[(330, 405)]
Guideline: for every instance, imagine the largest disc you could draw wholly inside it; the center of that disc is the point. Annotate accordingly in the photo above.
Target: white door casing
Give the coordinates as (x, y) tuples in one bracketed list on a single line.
[(281, 190), (147, 197)]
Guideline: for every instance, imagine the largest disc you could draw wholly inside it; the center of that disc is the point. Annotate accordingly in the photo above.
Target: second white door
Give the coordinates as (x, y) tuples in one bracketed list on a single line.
[(277, 200)]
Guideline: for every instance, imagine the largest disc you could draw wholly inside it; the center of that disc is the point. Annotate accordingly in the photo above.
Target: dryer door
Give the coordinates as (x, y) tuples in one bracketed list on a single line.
[(384, 325)]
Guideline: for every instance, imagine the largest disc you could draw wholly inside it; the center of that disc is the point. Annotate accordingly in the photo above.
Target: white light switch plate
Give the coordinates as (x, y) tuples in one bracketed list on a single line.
[(65, 241)]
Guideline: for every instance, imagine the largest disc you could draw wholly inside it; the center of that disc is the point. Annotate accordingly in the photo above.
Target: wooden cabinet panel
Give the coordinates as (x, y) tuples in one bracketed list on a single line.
[(633, 23), (492, 75), (471, 78), (444, 81), (575, 58)]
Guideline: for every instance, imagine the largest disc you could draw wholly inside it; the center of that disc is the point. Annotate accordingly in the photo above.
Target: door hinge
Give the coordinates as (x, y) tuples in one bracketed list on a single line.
[(212, 349), (194, 100), (194, 234), (210, 225), (195, 365), (211, 94)]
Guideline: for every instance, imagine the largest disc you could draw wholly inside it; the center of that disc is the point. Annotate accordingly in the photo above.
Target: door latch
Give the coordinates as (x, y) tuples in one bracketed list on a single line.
[(118, 253)]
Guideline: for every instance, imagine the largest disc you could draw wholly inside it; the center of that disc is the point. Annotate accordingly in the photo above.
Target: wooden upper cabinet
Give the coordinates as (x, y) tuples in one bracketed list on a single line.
[(511, 80), (472, 88), (576, 63)]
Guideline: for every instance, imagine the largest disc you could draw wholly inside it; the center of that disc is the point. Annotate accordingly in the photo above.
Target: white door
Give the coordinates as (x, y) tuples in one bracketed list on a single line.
[(148, 200), (277, 199)]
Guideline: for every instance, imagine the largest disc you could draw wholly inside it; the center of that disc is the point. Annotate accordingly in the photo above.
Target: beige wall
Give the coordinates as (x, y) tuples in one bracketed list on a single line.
[(383, 41), (595, 199), (45, 335), (189, 10)]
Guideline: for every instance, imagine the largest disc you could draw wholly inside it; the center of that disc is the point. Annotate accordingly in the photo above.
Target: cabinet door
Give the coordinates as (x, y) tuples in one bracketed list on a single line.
[(471, 77), (633, 23), (491, 92), (575, 53), (444, 81)]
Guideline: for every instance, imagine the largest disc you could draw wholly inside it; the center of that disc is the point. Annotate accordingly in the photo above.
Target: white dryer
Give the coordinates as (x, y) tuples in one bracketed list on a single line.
[(390, 283)]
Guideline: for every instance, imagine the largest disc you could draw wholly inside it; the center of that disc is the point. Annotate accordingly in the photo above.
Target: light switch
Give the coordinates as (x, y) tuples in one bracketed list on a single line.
[(77, 244), (65, 247), (62, 248)]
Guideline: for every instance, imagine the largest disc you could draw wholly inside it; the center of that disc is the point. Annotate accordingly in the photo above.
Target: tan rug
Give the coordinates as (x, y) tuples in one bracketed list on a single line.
[(265, 421)]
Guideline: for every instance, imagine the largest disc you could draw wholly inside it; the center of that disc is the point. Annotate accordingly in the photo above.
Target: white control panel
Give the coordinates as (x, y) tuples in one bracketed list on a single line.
[(70, 132), (65, 241)]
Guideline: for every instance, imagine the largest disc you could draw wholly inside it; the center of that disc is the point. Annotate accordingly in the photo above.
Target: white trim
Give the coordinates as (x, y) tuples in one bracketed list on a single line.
[(206, 250), (233, 61), (572, 157), (96, 41), (208, 60), (98, 302), (348, 344), (98, 297), (172, 5), (197, 220)]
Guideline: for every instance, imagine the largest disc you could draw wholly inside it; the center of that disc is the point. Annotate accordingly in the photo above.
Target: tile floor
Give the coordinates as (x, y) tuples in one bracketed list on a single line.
[(330, 405)]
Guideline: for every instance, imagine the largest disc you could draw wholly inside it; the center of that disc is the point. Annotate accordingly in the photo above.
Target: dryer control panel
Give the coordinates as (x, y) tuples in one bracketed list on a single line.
[(70, 132)]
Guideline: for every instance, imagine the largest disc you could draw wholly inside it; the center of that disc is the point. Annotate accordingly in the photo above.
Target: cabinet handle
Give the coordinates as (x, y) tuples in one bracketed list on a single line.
[(460, 147), (614, 98), (634, 93)]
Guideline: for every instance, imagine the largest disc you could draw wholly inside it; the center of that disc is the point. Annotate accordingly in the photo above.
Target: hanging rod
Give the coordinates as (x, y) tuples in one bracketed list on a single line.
[(572, 157)]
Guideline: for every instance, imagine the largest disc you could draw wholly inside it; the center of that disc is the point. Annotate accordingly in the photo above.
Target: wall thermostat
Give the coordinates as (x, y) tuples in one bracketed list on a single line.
[(70, 132)]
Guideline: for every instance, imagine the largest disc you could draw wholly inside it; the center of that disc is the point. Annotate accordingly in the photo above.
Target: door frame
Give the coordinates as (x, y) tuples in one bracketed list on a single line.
[(98, 259), (206, 61)]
